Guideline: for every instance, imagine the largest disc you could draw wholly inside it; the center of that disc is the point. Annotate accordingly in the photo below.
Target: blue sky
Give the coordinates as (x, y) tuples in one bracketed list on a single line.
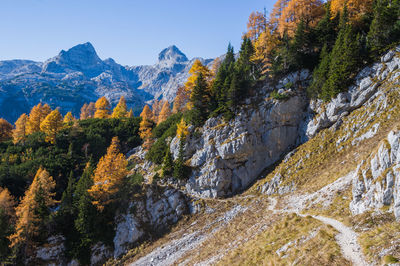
[(132, 32)]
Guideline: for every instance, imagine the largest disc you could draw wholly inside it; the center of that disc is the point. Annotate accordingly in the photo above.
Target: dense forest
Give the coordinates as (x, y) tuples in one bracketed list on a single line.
[(68, 176)]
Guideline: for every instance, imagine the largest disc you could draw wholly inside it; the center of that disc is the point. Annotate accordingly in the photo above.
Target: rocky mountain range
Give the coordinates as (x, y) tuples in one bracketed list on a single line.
[(78, 76)]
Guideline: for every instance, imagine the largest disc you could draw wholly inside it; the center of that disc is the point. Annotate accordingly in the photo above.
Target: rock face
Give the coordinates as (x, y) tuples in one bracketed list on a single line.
[(160, 208), (52, 252), (377, 182), (229, 156), (79, 76), (366, 85)]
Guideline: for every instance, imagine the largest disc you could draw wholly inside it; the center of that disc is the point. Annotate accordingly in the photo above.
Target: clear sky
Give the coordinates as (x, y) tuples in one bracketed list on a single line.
[(132, 32)]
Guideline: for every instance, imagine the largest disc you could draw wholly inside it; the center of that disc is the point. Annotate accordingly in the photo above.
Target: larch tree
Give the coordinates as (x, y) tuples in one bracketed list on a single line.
[(120, 111), (5, 130), (87, 111), (156, 108), (69, 118), (51, 125), (7, 220), (130, 113), (21, 130), (102, 108), (256, 25), (196, 69), (145, 126), (36, 116), (181, 99), (108, 176), (165, 112), (29, 213), (182, 130), (356, 8), (308, 11)]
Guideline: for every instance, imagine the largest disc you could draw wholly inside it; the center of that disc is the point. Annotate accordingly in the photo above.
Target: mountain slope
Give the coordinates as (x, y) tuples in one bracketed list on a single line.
[(78, 76)]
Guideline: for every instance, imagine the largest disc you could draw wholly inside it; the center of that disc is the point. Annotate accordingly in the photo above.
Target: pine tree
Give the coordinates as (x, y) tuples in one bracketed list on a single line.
[(168, 164), (345, 58), (320, 75), (5, 130), (120, 111), (38, 198), (165, 112), (108, 176), (51, 125), (325, 31), (85, 222), (199, 100), (66, 206), (102, 108), (21, 130), (385, 26)]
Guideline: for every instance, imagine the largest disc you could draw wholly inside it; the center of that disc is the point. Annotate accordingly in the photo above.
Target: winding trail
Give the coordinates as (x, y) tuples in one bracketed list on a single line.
[(347, 238)]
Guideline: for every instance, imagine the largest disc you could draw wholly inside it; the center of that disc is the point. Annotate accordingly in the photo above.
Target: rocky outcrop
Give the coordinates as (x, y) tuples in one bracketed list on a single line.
[(228, 156), (160, 208), (377, 182), (366, 85)]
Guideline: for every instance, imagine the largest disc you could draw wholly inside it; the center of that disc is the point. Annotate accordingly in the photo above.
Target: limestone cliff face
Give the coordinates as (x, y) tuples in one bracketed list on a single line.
[(228, 156)]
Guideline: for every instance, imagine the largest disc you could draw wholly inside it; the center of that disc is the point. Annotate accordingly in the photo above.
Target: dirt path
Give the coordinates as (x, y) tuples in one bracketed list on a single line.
[(347, 239)]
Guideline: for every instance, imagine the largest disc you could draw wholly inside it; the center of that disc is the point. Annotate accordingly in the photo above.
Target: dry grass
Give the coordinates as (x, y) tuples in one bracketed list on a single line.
[(312, 243)]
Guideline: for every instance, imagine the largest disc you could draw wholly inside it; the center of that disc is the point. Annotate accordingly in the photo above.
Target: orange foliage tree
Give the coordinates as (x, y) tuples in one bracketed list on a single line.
[(68, 118), (29, 213), (5, 130), (36, 116), (146, 125), (256, 25), (102, 108), (120, 110), (108, 176), (181, 99), (355, 8), (88, 110), (165, 112), (51, 125), (21, 130)]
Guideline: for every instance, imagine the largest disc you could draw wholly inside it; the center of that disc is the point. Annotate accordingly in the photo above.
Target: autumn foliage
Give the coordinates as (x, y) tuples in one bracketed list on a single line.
[(36, 116), (108, 176), (21, 129), (88, 110), (5, 130), (102, 108), (51, 125), (120, 111), (39, 196)]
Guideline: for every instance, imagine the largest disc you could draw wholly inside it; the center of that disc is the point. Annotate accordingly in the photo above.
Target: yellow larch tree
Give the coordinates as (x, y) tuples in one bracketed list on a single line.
[(21, 130), (182, 129), (36, 116), (165, 112), (51, 125), (68, 118), (102, 108), (7, 202), (156, 108), (108, 176), (145, 126), (194, 72), (120, 111), (28, 220), (130, 113), (5, 130)]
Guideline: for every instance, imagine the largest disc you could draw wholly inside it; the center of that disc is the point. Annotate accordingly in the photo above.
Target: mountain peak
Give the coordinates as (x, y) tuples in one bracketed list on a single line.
[(172, 53), (80, 52)]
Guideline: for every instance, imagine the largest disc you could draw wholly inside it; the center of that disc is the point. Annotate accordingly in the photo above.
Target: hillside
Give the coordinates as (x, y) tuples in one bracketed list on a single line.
[(284, 152)]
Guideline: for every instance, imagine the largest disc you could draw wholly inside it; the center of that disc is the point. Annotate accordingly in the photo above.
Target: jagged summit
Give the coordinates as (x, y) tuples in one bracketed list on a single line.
[(82, 57), (172, 53)]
